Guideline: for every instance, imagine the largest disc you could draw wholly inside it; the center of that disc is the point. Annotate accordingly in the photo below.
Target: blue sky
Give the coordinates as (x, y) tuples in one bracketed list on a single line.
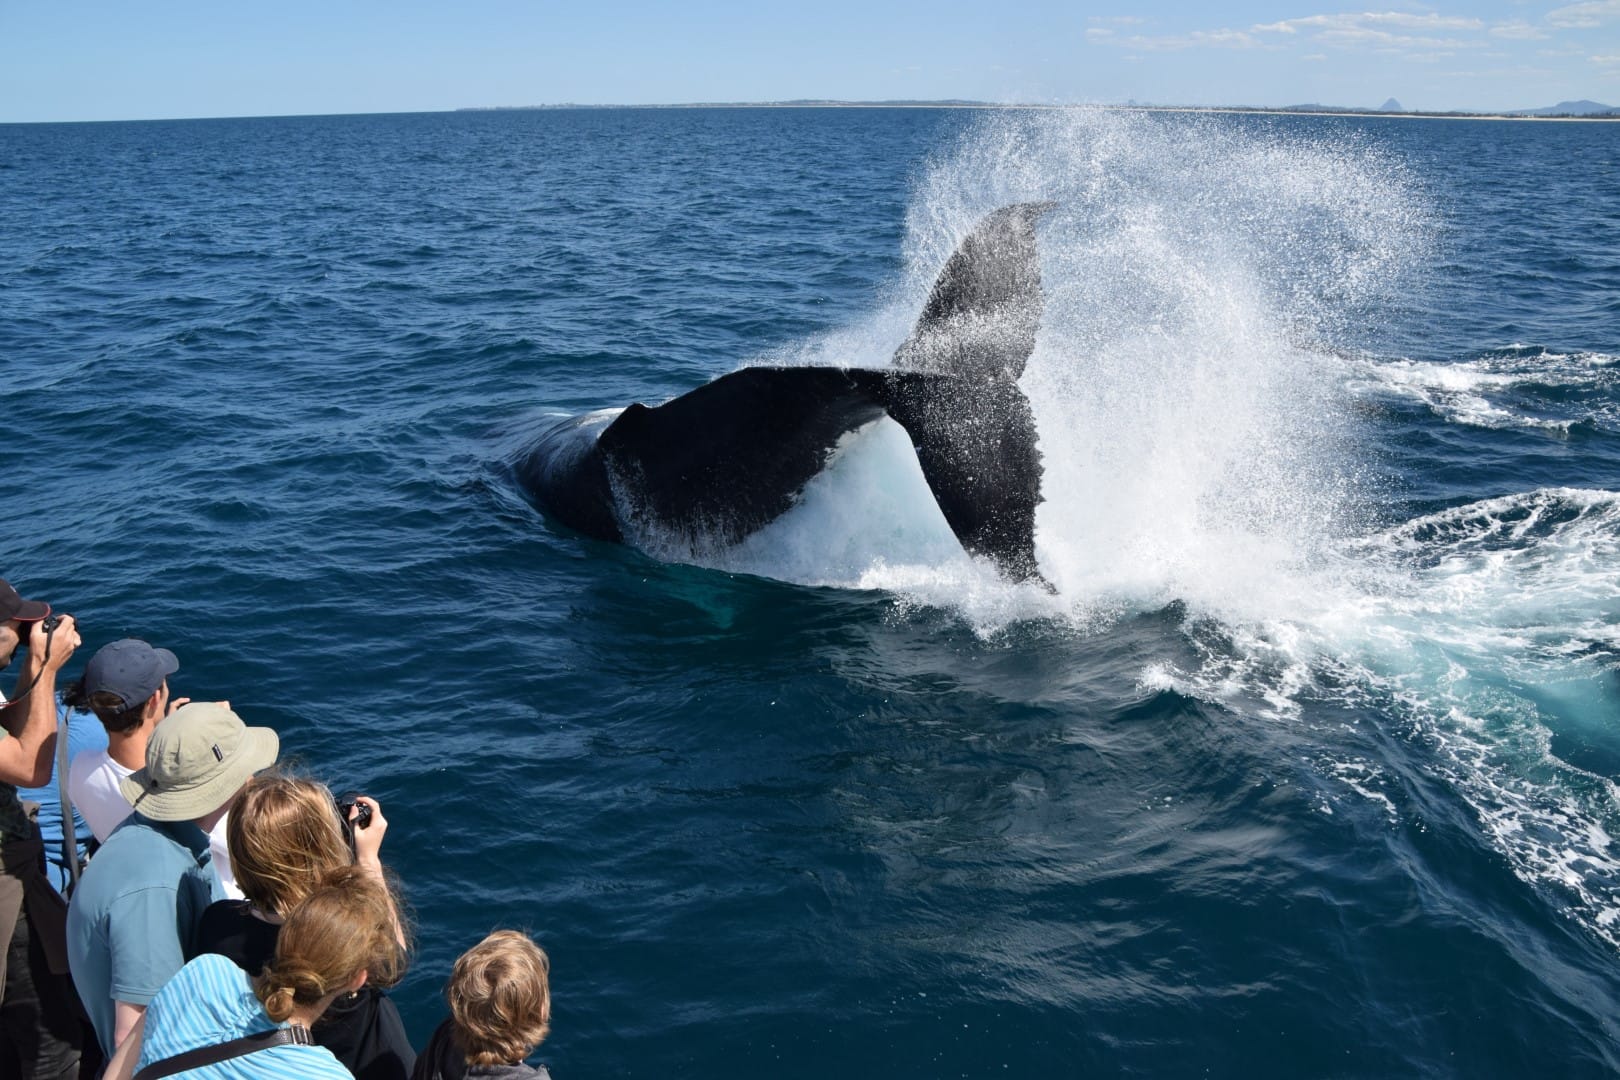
[(92, 60)]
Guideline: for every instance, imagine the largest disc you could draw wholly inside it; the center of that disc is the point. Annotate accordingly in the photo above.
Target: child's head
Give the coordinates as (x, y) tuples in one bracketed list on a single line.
[(500, 999)]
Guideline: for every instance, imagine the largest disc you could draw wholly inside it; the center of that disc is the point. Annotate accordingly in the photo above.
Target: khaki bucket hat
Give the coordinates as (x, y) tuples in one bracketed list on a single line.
[(199, 756)]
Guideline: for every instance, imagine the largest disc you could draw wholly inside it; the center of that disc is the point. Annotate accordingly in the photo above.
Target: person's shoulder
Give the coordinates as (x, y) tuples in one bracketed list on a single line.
[(224, 918), (156, 840), (209, 1000), (85, 729), (97, 768), (313, 1062), (135, 839), (191, 996), (136, 859), (86, 763), (228, 912), (228, 927), (209, 969), (439, 1059), (520, 1071)]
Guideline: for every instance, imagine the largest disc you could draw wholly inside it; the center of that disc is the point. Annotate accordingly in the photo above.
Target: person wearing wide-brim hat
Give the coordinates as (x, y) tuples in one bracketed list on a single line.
[(138, 904)]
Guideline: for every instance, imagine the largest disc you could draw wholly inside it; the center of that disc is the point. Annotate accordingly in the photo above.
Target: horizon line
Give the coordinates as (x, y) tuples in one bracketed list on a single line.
[(835, 103)]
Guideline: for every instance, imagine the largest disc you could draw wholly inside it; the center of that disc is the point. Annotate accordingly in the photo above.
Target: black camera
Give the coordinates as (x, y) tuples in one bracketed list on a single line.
[(50, 622), (346, 802)]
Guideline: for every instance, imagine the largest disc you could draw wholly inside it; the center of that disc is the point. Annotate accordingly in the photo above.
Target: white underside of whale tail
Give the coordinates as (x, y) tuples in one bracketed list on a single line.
[(870, 521)]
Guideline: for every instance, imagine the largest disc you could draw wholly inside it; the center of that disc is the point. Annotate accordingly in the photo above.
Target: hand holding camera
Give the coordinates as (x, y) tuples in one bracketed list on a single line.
[(52, 640), (363, 826)]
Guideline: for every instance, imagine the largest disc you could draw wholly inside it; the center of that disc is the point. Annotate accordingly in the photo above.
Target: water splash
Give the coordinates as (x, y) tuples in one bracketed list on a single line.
[(1197, 444), (1518, 387), (1201, 446)]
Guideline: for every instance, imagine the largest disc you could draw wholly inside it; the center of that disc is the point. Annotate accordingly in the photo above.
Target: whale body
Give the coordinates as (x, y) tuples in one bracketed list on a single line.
[(718, 463)]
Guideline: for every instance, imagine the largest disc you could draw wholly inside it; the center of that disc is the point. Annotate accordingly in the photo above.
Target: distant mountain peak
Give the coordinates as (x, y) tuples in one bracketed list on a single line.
[(1391, 106), (1570, 108)]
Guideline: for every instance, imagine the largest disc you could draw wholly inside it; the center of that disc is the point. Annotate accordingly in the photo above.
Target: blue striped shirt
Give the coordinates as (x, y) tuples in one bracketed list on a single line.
[(211, 1001)]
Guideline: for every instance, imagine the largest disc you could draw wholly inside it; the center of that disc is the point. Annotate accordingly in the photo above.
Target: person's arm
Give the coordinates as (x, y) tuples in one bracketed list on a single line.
[(367, 852), (144, 950), (122, 1065), (25, 758), (127, 1020)]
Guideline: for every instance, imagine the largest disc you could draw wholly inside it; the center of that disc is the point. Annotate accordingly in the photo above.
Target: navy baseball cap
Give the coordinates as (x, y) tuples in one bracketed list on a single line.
[(130, 668), (13, 606)]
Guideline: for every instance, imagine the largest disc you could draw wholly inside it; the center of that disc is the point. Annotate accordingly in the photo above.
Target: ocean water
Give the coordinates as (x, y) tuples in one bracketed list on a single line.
[(1306, 767)]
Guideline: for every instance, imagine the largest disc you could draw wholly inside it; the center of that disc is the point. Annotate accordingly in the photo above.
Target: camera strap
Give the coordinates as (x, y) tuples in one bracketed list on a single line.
[(70, 834)]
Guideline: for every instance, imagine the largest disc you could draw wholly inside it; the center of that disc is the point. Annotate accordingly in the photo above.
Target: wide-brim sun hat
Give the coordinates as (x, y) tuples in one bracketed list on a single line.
[(198, 757)]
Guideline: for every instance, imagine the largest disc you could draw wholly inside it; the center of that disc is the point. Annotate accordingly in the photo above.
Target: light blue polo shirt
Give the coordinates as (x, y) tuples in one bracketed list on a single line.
[(134, 916), (211, 1001)]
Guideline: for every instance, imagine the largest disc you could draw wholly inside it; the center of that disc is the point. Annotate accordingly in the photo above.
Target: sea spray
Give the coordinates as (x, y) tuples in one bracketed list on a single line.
[(1198, 389), (1196, 440)]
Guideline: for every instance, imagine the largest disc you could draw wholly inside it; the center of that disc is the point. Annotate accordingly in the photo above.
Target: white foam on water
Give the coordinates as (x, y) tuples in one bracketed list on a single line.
[(1520, 389), (1484, 632)]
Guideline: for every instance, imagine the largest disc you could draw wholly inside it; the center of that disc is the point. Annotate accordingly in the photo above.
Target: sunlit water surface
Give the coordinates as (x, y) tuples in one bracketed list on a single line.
[(1305, 766)]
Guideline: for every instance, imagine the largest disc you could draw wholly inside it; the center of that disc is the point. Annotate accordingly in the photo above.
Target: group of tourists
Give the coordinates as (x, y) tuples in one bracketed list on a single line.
[(172, 902)]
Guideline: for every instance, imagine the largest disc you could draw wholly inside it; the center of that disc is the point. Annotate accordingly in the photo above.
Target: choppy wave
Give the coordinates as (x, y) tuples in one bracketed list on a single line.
[(1489, 636), (1516, 387)]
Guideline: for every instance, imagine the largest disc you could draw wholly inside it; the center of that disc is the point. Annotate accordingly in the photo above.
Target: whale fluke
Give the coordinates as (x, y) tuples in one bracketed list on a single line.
[(718, 463), (985, 307)]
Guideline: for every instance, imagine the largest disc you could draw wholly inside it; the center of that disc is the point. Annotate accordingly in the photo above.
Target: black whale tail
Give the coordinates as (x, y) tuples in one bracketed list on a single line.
[(955, 389), (718, 463), (975, 441), (985, 308)]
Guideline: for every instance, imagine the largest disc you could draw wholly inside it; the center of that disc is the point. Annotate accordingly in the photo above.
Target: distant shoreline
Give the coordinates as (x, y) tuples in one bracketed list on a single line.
[(1219, 109), (984, 105)]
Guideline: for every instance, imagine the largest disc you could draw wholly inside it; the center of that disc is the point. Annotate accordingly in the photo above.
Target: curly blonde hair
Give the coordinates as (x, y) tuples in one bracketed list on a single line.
[(345, 926), (500, 999), (283, 837)]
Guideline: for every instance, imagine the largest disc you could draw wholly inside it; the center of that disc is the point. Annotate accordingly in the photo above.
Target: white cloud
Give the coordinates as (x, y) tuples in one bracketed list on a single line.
[(1518, 30), (1424, 37), (1585, 16), (1507, 73), (1369, 20), (1223, 39), (1388, 31), (1197, 39)]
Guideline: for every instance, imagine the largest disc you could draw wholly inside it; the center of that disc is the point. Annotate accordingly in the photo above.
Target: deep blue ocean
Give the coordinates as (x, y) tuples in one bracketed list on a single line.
[(1307, 767)]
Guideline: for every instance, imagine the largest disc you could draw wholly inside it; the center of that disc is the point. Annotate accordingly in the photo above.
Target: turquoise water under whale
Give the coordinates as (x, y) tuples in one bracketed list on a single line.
[(1306, 767)]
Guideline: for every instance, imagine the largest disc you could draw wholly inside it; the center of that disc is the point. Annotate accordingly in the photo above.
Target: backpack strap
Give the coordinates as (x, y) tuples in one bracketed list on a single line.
[(296, 1035), (70, 834)]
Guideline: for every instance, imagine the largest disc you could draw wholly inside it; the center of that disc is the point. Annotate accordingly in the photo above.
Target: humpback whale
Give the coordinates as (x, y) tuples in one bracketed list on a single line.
[(716, 464)]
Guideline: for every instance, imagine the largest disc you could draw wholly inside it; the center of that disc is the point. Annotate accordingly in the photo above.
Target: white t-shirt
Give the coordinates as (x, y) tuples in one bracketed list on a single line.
[(93, 786)]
